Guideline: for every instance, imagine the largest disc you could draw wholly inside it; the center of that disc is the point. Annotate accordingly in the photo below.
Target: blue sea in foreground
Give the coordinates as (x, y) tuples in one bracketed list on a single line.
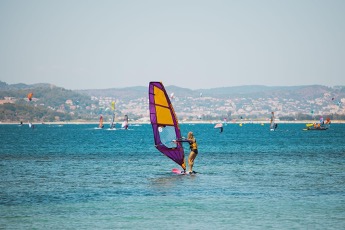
[(79, 177)]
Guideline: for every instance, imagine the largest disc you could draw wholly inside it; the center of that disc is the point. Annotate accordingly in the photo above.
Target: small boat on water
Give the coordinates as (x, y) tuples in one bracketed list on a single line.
[(322, 125), (316, 127)]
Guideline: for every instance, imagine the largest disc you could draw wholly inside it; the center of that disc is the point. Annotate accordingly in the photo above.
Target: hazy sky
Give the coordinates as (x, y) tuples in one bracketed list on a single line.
[(80, 44)]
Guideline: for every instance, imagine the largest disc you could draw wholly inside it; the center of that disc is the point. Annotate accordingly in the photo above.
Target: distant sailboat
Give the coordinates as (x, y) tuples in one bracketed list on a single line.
[(322, 125)]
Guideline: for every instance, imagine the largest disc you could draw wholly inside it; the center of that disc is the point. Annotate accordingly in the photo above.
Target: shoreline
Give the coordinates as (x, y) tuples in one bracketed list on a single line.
[(180, 122)]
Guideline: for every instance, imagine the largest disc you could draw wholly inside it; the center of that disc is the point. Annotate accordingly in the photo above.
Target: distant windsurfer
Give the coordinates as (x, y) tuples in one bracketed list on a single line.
[(101, 122), (273, 125), (125, 122), (193, 150)]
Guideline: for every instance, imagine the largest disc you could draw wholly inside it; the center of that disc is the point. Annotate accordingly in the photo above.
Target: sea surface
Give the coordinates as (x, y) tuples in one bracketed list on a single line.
[(79, 177)]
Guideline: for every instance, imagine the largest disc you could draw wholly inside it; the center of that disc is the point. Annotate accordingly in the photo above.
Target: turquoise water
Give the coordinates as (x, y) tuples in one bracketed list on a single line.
[(77, 177)]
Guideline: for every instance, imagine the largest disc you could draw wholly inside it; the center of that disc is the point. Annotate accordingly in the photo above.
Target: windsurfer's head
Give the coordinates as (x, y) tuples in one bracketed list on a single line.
[(190, 135)]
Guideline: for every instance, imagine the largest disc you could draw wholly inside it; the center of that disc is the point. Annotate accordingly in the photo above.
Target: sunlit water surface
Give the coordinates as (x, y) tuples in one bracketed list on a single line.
[(78, 177)]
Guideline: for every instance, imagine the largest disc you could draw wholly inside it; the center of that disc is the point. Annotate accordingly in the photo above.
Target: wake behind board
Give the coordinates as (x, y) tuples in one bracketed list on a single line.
[(181, 172)]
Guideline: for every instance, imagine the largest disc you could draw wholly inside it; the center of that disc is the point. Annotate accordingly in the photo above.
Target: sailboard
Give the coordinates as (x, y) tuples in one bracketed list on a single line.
[(164, 123), (183, 172)]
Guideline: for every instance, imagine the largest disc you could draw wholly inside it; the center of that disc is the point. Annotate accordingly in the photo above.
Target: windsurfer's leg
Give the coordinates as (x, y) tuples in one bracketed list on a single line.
[(191, 158)]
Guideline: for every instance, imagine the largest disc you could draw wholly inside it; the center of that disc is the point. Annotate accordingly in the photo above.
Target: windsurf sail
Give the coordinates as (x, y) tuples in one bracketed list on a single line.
[(273, 125), (112, 124), (125, 122), (219, 126), (100, 122), (165, 124)]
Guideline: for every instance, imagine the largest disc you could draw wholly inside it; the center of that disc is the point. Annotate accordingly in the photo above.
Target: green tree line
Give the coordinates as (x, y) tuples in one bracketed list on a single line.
[(13, 112)]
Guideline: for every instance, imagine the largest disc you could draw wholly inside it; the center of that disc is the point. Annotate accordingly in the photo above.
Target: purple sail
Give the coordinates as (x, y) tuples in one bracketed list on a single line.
[(164, 124)]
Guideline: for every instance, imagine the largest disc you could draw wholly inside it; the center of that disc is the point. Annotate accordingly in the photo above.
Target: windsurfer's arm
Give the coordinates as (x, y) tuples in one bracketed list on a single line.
[(181, 140)]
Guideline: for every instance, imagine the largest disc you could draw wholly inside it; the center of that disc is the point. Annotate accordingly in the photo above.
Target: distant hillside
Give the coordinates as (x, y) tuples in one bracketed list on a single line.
[(292, 92), (47, 94), (253, 101), (19, 86), (122, 93), (47, 100), (251, 91)]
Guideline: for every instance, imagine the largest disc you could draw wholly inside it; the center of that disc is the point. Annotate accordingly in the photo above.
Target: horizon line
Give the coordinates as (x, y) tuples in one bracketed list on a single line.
[(136, 86)]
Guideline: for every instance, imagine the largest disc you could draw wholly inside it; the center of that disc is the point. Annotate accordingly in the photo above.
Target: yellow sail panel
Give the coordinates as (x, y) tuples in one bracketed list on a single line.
[(160, 98), (164, 116)]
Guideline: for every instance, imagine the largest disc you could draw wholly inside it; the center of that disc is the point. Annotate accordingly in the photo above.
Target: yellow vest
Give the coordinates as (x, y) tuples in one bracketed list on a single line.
[(193, 145)]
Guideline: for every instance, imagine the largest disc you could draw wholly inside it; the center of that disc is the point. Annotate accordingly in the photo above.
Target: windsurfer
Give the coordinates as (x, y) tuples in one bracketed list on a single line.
[(272, 117), (273, 125), (193, 150)]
